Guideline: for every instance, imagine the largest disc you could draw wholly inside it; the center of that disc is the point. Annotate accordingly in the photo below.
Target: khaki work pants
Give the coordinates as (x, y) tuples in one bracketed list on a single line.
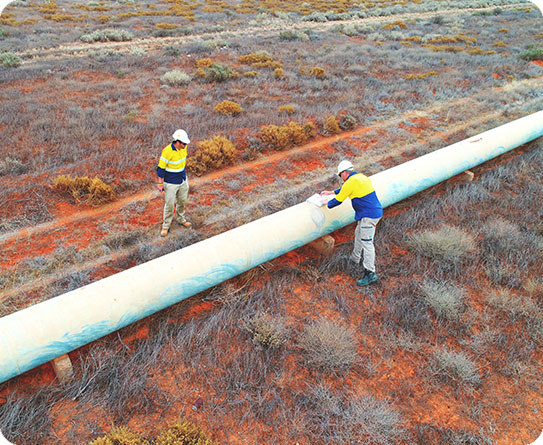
[(363, 243), (175, 195)]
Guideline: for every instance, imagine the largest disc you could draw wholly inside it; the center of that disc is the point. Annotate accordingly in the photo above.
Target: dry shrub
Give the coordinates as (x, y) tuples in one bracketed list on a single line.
[(278, 73), (287, 109), (84, 189), (328, 346), (203, 63), (286, 135), (120, 436), (252, 58), (212, 153), (228, 108), (331, 126), (183, 433), (317, 72), (265, 330)]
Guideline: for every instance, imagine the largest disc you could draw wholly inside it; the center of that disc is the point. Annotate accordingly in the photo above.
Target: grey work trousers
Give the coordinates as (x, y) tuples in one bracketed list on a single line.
[(363, 243), (175, 195)]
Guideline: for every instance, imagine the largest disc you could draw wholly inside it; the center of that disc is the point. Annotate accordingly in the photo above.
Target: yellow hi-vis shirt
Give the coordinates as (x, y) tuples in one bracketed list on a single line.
[(171, 165)]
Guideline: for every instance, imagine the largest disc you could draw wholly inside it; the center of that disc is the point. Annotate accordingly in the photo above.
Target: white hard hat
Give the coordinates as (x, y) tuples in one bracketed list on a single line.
[(344, 165), (181, 135)]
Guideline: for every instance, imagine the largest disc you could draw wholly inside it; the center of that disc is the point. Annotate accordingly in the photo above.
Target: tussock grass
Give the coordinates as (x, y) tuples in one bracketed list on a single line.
[(335, 418), (328, 346), (455, 367), (445, 299), (447, 245), (176, 78)]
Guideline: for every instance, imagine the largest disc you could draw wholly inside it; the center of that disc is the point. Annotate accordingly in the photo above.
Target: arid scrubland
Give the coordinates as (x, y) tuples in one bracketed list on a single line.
[(445, 349)]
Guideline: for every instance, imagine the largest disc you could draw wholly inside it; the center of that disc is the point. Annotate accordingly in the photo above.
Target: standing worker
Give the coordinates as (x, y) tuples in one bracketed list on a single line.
[(368, 211), (172, 180)]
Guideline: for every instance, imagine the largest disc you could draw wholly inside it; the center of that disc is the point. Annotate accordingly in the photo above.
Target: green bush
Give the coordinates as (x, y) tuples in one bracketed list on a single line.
[(107, 35), (172, 50), (175, 78), (532, 54), (219, 73), (10, 60)]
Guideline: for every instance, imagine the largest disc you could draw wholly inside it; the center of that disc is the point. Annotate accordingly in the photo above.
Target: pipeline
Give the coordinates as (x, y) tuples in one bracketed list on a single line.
[(47, 330)]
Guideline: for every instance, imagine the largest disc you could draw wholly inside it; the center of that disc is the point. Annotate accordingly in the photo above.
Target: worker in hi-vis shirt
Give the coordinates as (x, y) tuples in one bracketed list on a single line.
[(367, 211), (172, 180)]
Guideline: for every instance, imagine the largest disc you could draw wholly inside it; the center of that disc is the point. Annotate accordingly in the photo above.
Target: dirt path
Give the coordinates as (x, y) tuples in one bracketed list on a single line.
[(154, 43)]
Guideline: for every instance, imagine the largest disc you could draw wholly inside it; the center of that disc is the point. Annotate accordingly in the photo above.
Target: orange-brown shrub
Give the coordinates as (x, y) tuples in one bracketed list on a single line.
[(315, 71), (287, 109), (250, 74), (163, 25), (211, 153), (203, 63), (278, 73), (249, 59), (286, 135), (331, 126), (227, 107), (91, 191)]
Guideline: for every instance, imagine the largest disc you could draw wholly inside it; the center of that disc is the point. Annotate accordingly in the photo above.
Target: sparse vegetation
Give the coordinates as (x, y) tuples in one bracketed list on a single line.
[(448, 322), (107, 35), (10, 60)]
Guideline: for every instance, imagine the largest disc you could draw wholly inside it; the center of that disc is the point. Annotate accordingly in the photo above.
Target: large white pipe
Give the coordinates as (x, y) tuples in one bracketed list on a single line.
[(54, 327)]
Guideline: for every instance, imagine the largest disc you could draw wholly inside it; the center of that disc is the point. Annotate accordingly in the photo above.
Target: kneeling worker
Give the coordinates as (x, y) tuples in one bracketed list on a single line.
[(368, 211), (172, 180)]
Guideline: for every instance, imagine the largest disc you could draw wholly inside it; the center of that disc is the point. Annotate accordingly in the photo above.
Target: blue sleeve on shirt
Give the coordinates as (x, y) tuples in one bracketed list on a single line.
[(160, 172), (333, 203)]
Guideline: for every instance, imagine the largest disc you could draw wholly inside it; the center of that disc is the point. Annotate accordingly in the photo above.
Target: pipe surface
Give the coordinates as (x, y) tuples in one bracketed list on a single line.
[(47, 330)]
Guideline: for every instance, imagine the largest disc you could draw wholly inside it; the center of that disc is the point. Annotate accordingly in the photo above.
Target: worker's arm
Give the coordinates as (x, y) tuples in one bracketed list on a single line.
[(161, 171), (341, 194)]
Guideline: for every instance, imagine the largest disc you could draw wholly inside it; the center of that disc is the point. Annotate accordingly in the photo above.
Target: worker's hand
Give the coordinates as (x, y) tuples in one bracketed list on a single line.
[(327, 192), (160, 187)]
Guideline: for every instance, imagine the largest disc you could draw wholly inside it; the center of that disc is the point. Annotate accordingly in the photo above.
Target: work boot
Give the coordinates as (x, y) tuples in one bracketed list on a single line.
[(368, 278), (164, 232), (186, 224)]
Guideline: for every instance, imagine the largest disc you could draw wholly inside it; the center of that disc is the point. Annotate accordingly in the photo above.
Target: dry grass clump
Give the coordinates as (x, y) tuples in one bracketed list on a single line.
[(331, 125), (445, 299), (210, 154), (107, 35), (448, 245), (92, 191), (286, 135), (278, 73), (514, 305), (455, 367), (183, 433), (176, 78), (120, 436), (328, 346), (265, 330), (228, 108)]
